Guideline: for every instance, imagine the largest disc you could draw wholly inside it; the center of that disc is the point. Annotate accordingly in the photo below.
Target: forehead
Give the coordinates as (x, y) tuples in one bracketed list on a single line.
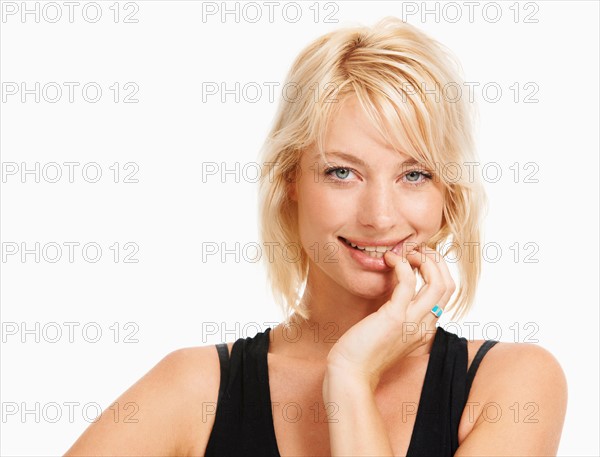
[(356, 158), (350, 121), (352, 135)]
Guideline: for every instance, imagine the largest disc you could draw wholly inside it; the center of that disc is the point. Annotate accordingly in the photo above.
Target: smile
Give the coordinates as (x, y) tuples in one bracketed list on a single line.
[(373, 251)]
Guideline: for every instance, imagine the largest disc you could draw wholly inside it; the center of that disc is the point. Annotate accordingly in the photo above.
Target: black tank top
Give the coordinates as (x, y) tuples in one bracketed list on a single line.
[(244, 419)]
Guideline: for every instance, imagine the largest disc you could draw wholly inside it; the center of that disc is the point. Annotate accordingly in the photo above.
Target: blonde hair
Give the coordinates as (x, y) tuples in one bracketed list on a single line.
[(409, 86)]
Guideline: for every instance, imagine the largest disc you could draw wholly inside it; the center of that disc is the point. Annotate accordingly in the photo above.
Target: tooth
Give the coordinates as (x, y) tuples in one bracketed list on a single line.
[(352, 244), (373, 251)]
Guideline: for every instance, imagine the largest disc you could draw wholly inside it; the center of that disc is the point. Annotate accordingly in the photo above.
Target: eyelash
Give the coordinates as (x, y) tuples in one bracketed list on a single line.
[(329, 172)]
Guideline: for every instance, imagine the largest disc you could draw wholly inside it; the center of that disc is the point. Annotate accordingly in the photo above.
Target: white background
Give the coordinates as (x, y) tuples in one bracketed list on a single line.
[(170, 295)]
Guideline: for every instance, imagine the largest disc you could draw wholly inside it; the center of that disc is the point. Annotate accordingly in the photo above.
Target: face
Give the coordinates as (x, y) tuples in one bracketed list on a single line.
[(370, 197)]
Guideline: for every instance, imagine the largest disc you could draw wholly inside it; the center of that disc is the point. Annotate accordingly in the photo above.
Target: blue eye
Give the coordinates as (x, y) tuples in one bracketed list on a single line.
[(339, 175), (416, 174)]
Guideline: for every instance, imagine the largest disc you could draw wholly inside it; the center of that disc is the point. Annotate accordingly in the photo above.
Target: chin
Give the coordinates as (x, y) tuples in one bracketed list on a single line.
[(371, 290)]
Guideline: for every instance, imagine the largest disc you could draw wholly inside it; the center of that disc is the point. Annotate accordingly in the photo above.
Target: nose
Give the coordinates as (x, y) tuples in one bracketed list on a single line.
[(378, 208)]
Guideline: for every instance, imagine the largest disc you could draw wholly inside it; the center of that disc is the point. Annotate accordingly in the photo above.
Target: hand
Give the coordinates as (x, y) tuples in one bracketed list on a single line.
[(402, 324)]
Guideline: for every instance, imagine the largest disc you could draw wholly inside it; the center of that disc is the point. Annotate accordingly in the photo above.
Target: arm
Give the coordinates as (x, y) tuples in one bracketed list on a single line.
[(361, 430), (168, 418), (526, 385)]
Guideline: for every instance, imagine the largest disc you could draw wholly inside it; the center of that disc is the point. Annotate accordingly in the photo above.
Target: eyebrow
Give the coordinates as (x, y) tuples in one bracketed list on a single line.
[(357, 161)]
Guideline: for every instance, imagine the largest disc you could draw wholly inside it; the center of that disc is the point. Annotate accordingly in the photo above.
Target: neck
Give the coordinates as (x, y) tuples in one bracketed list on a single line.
[(332, 311)]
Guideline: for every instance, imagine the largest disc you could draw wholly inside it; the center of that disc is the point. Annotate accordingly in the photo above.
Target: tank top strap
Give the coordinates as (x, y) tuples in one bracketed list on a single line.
[(243, 417), (486, 346), (223, 352), (442, 397)]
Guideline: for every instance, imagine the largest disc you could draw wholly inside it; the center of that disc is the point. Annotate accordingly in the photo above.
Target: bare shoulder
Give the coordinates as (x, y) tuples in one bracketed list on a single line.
[(519, 391), (521, 365), (194, 376), (175, 403)]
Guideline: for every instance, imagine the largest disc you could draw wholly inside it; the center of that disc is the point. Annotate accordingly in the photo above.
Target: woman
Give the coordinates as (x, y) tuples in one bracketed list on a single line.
[(360, 181)]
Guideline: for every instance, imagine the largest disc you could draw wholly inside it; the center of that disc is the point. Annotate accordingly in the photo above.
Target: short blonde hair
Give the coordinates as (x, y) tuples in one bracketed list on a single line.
[(407, 84)]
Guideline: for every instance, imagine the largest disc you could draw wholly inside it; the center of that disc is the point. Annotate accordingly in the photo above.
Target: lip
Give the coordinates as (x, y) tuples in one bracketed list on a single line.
[(374, 243), (365, 260)]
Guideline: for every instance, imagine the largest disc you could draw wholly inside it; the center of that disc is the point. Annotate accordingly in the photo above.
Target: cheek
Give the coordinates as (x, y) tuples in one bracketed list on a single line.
[(321, 209), (321, 215), (425, 211)]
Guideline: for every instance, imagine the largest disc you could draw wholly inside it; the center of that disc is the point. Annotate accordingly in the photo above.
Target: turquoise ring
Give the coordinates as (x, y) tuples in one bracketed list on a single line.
[(437, 311)]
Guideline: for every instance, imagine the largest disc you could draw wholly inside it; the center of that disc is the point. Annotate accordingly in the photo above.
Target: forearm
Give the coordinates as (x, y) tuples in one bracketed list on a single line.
[(358, 428)]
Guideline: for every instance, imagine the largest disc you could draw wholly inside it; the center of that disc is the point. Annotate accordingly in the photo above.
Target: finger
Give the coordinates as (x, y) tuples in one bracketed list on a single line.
[(420, 310), (443, 266), (405, 290), (426, 264), (432, 256), (434, 289)]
